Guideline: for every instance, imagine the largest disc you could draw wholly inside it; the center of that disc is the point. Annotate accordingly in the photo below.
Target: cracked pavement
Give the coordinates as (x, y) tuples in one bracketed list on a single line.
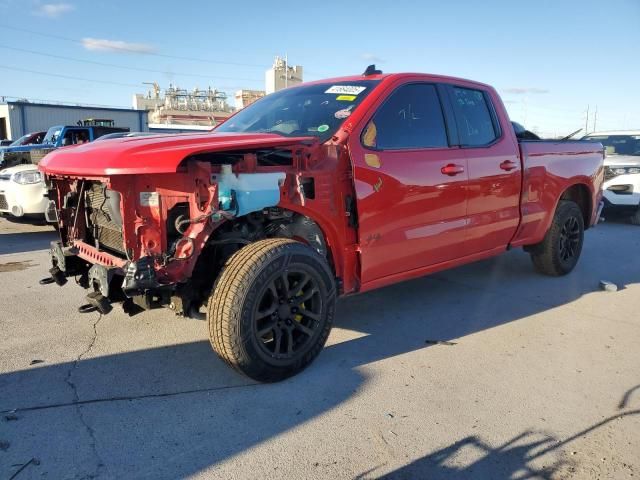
[(485, 371), (76, 399)]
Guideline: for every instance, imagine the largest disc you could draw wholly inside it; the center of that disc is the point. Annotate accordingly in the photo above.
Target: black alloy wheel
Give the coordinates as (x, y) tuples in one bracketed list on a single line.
[(569, 239), (288, 314), (272, 308)]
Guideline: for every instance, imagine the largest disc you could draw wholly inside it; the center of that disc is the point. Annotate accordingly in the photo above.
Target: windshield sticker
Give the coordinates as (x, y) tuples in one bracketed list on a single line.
[(344, 113), (323, 128), (346, 90), (345, 98)]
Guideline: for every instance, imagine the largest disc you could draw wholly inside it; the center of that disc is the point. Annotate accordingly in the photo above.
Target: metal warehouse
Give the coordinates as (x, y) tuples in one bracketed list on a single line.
[(19, 118)]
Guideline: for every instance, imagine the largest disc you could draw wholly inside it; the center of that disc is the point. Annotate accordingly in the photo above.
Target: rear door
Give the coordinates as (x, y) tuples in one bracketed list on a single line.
[(494, 170), (410, 183)]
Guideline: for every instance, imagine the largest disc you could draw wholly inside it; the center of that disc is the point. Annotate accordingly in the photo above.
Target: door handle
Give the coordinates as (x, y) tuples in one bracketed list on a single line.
[(508, 165), (452, 169)]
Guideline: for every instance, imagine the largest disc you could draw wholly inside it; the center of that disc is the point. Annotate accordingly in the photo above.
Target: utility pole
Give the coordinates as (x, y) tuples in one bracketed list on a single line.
[(286, 70), (586, 123), (595, 119)]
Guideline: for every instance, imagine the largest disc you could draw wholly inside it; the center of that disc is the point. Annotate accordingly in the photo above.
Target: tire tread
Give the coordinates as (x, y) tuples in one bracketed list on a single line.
[(544, 255), (225, 306)]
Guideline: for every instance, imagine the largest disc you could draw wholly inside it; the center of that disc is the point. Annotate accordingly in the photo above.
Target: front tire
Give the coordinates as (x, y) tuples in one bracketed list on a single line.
[(272, 309), (560, 250)]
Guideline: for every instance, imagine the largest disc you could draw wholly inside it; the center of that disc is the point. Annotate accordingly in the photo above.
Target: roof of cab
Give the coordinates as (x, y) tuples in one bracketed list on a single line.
[(389, 76)]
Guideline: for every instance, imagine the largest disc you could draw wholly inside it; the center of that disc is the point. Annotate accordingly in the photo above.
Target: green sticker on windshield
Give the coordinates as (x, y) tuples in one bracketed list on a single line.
[(323, 128)]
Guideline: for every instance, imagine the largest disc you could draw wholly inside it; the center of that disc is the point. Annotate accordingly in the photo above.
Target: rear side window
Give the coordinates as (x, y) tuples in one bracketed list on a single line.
[(410, 118), (473, 116)]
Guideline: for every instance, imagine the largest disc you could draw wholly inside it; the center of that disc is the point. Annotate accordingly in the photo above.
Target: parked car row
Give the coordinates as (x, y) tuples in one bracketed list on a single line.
[(23, 192)]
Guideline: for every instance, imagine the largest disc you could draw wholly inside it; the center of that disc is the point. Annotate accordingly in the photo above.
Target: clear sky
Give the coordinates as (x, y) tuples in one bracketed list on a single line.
[(548, 59)]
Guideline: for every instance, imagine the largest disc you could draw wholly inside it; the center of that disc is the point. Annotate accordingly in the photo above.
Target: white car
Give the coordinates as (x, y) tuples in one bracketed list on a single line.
[(621, 170), (22, 191)]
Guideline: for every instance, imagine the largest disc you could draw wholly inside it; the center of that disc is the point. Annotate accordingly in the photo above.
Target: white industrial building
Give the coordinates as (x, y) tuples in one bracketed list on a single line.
[(247, 97), (281, 75), (21, 117)]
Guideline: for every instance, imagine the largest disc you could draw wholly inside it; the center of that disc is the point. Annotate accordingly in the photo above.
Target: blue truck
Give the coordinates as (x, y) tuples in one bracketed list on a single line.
[(56, 137)]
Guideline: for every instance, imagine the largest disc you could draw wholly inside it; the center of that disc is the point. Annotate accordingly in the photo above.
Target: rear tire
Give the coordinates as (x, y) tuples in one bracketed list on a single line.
[(560, 250), (272, 309)]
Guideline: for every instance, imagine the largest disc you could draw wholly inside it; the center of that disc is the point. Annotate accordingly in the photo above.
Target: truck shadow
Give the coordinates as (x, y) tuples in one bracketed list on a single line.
[(515, 458), (171, 411), (32, 235), (26, 242)]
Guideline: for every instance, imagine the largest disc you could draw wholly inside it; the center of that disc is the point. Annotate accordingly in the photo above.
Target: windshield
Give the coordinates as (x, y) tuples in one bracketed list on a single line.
[(618, 144), (20, 141), (52, 135), (309, 110)]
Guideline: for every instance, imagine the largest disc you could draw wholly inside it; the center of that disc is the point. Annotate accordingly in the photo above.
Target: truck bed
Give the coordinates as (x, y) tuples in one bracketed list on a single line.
[(549, 167)]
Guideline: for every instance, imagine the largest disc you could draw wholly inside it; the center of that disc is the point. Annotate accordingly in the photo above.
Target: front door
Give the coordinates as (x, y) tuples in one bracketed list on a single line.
[(410, 185)]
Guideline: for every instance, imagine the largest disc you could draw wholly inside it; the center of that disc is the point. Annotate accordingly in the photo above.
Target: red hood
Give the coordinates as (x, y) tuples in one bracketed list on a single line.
[(153, 154)]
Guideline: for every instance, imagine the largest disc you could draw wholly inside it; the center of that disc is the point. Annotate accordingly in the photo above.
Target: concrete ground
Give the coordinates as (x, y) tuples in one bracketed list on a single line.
[(487, 371)]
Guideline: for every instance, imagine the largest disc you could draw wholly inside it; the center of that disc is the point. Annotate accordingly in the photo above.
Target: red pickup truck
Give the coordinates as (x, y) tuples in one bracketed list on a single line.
[(324, 189)]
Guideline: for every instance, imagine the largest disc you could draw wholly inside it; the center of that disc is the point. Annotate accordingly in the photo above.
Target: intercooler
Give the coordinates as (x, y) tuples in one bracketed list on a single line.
[(104, 222)]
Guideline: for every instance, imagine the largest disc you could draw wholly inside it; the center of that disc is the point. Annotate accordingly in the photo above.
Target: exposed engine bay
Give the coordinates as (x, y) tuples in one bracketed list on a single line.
[(160, 240)]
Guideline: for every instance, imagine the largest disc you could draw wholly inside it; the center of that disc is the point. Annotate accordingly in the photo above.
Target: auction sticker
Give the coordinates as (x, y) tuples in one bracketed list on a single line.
[(149, 199), (323, 128), (346, 90), (344, 113)]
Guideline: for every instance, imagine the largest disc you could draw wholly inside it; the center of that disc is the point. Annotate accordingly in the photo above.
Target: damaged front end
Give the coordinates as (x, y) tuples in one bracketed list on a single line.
[(137, 239), (133, 238)]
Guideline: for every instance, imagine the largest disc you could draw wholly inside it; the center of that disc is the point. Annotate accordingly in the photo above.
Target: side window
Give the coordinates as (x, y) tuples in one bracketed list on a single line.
[(473, 117), (75, 136), (410, 118), (67, 139)]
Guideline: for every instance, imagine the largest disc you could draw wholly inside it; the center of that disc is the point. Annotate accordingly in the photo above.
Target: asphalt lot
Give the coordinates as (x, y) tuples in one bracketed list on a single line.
[(487, 371)]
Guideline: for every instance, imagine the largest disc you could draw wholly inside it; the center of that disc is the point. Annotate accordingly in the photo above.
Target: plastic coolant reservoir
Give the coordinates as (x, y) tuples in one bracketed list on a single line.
[(253, 191), (226, 182)]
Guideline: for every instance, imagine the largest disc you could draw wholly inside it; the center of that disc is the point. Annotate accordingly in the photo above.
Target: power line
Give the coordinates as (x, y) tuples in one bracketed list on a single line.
[(103, 64), (90, 80), (131, 50), (68, 77), (59, 102)]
